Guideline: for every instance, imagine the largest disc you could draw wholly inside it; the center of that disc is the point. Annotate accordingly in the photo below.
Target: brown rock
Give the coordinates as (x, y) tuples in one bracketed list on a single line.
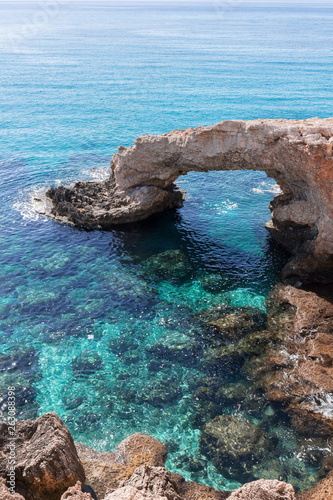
[(297, 364), (46, 459), (76, 493), (5, 494), (264, 489), (105, 471), (150, 482), (159, 484), (233, 326), (322, 491)]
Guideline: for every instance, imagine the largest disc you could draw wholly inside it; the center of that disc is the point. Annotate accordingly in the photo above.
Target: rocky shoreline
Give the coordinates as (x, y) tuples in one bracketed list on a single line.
[(291, 360), (50, 467)]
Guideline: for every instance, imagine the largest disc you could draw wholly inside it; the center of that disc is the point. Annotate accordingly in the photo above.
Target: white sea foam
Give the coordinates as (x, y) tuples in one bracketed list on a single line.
[(33, 204), (267, 188), (323, 404)]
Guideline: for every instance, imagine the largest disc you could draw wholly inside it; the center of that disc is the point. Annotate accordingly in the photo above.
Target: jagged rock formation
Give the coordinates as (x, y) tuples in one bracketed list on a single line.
[(296, 367), (46, 461), (298, 154)]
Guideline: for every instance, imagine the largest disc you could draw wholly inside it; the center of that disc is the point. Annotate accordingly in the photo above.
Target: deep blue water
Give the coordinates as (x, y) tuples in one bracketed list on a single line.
[(84, 314)]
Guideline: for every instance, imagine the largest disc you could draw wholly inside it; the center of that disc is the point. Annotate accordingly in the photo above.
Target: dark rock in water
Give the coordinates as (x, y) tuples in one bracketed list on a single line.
[(190, 463), (86, 363), (20, 361), (121, 345), (172, 264), (46, 458), (182, 354), (215, 283), (308, 421), (233, 444), (233, 326), (161, 392)]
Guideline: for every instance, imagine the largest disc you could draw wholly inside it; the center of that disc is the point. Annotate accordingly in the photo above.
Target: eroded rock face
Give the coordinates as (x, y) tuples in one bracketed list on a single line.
[(106, 471), (322, 491), (296, 153), (46, 459), (148, 482), (76, 493), (264, 490), (297, 366)]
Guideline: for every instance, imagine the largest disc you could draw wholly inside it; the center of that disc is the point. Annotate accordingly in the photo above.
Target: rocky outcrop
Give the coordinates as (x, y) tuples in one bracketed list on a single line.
[(46, 459), (264, 490), (296, 368), (322, 491), (106, 471), (298, 154), (76, 493), (148, 482)]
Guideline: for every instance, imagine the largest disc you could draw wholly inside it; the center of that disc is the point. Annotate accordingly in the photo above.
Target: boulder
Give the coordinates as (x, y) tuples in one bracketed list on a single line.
[(106, 471), (153, 483), (76, 493), (264, 490), (46, 459)]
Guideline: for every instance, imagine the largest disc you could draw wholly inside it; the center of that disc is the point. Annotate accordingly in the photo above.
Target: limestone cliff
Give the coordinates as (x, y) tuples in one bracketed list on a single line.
[(298, 154)]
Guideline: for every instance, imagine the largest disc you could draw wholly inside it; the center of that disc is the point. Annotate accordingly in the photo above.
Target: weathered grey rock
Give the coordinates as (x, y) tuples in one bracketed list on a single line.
[(264, 490), (46, 459), (298, 154), (5, 494)]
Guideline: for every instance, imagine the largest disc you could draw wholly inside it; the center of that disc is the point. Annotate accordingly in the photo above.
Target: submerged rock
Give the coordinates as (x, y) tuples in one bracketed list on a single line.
[(233, 326), (46, 459), (86, 363), (233, 443), (172, 264)]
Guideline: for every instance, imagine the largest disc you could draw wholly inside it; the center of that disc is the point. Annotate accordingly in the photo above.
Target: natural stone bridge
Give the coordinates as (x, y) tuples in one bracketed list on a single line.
[(298, 154)]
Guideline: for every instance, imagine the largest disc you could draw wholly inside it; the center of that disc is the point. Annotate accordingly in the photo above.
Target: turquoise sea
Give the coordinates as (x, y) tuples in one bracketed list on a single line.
[(109, 328)]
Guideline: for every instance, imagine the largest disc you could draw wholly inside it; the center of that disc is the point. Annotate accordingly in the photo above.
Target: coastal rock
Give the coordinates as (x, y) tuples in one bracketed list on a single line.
[(153, 483), (106, 471), (172, 264), (233, 444), (76, 493), (296, 153), (46, 459), (233, 326), (322, 491), (296, 367), (5, 494), (264, 490)]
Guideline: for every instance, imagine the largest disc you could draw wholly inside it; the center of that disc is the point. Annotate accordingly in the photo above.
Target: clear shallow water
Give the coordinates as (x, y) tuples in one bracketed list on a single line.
[(85, 314)]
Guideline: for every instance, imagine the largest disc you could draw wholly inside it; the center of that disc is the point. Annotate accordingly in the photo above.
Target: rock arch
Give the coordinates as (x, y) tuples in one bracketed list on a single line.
[(298, 154)]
